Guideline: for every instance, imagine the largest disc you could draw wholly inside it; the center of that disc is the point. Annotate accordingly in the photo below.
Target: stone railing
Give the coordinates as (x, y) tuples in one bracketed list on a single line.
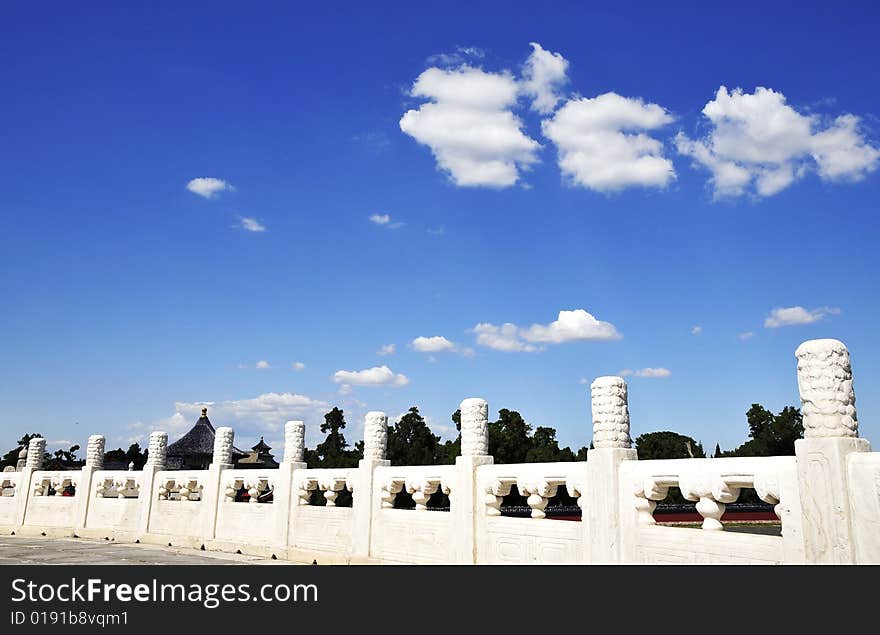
[(825, 497)]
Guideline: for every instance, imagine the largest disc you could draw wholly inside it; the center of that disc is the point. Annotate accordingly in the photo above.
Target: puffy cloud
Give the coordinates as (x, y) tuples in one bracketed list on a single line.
[(502, 338), (384, 220), (387, 349), (569, 326), (263, 364), (298, 366), (602, 143), (696, 330), (461, 55), (250, 418), (794, 315), (758, 142), (208, 187), (646, 372), (746, 336), (469, 125), (434, 344), (375, 376), (252, 225), (544, 74)]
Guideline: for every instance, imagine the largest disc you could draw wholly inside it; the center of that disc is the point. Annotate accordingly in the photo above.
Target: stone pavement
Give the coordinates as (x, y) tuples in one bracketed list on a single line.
[(28, 550)]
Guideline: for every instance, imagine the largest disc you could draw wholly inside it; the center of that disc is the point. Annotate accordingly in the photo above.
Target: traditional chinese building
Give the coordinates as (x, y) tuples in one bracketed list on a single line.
[(259, 456), (195, 449)]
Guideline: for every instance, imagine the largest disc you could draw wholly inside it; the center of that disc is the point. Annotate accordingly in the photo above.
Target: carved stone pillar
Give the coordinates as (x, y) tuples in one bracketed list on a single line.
[(375, 435), (294, 441), (831, 432), (95, 452), (474, 427), (36, 449), (156, 449)]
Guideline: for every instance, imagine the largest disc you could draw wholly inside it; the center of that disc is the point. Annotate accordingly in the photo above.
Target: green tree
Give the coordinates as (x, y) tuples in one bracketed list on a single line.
[(11, 457), (63, 459), (333, 452), (771, 435), (545, 447), (134, 454), (509, 440), (411, 442), (668, 445), (452, 449)]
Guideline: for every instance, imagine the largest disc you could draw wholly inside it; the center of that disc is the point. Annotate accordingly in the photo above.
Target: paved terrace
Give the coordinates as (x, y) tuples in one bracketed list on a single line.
[(31, 551)]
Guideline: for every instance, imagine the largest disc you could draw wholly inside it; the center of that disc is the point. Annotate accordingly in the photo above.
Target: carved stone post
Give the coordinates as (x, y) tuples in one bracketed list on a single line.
[(95, 452), (156, 454), (831, 433), (474, 427), (32, 463), (156, 449), (606, 530), (294, 441), (213, 490), (366, 502), (375, 435), (223, 448), (464, 498), (283, 497), (36, 449), (84, 493)]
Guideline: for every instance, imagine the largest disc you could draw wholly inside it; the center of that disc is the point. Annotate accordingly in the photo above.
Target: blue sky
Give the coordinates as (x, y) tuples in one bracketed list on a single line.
[(415, 175)]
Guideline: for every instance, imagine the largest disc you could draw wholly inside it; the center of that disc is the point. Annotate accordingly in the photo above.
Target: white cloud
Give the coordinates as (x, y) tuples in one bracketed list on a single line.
[(651, 372), (298, 366), (544, 74), (603, 146), (759, 143), (375, 376), (794, 315), (263, 364), (387, 349), (570, 326), (746, 336), (208, 187), (696, 330), (502, 338), (252, 225), (469, 125), (434, 344), (459, 56), (385, 221), (264, 414)]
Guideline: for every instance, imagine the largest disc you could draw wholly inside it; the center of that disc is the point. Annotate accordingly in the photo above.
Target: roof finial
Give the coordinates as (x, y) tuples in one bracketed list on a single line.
[(205, 412)]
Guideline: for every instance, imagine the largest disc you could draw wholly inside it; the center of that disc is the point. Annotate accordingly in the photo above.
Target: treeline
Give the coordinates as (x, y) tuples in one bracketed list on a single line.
[(769, 435), (511, 440), (68, 460), (411, 442)]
